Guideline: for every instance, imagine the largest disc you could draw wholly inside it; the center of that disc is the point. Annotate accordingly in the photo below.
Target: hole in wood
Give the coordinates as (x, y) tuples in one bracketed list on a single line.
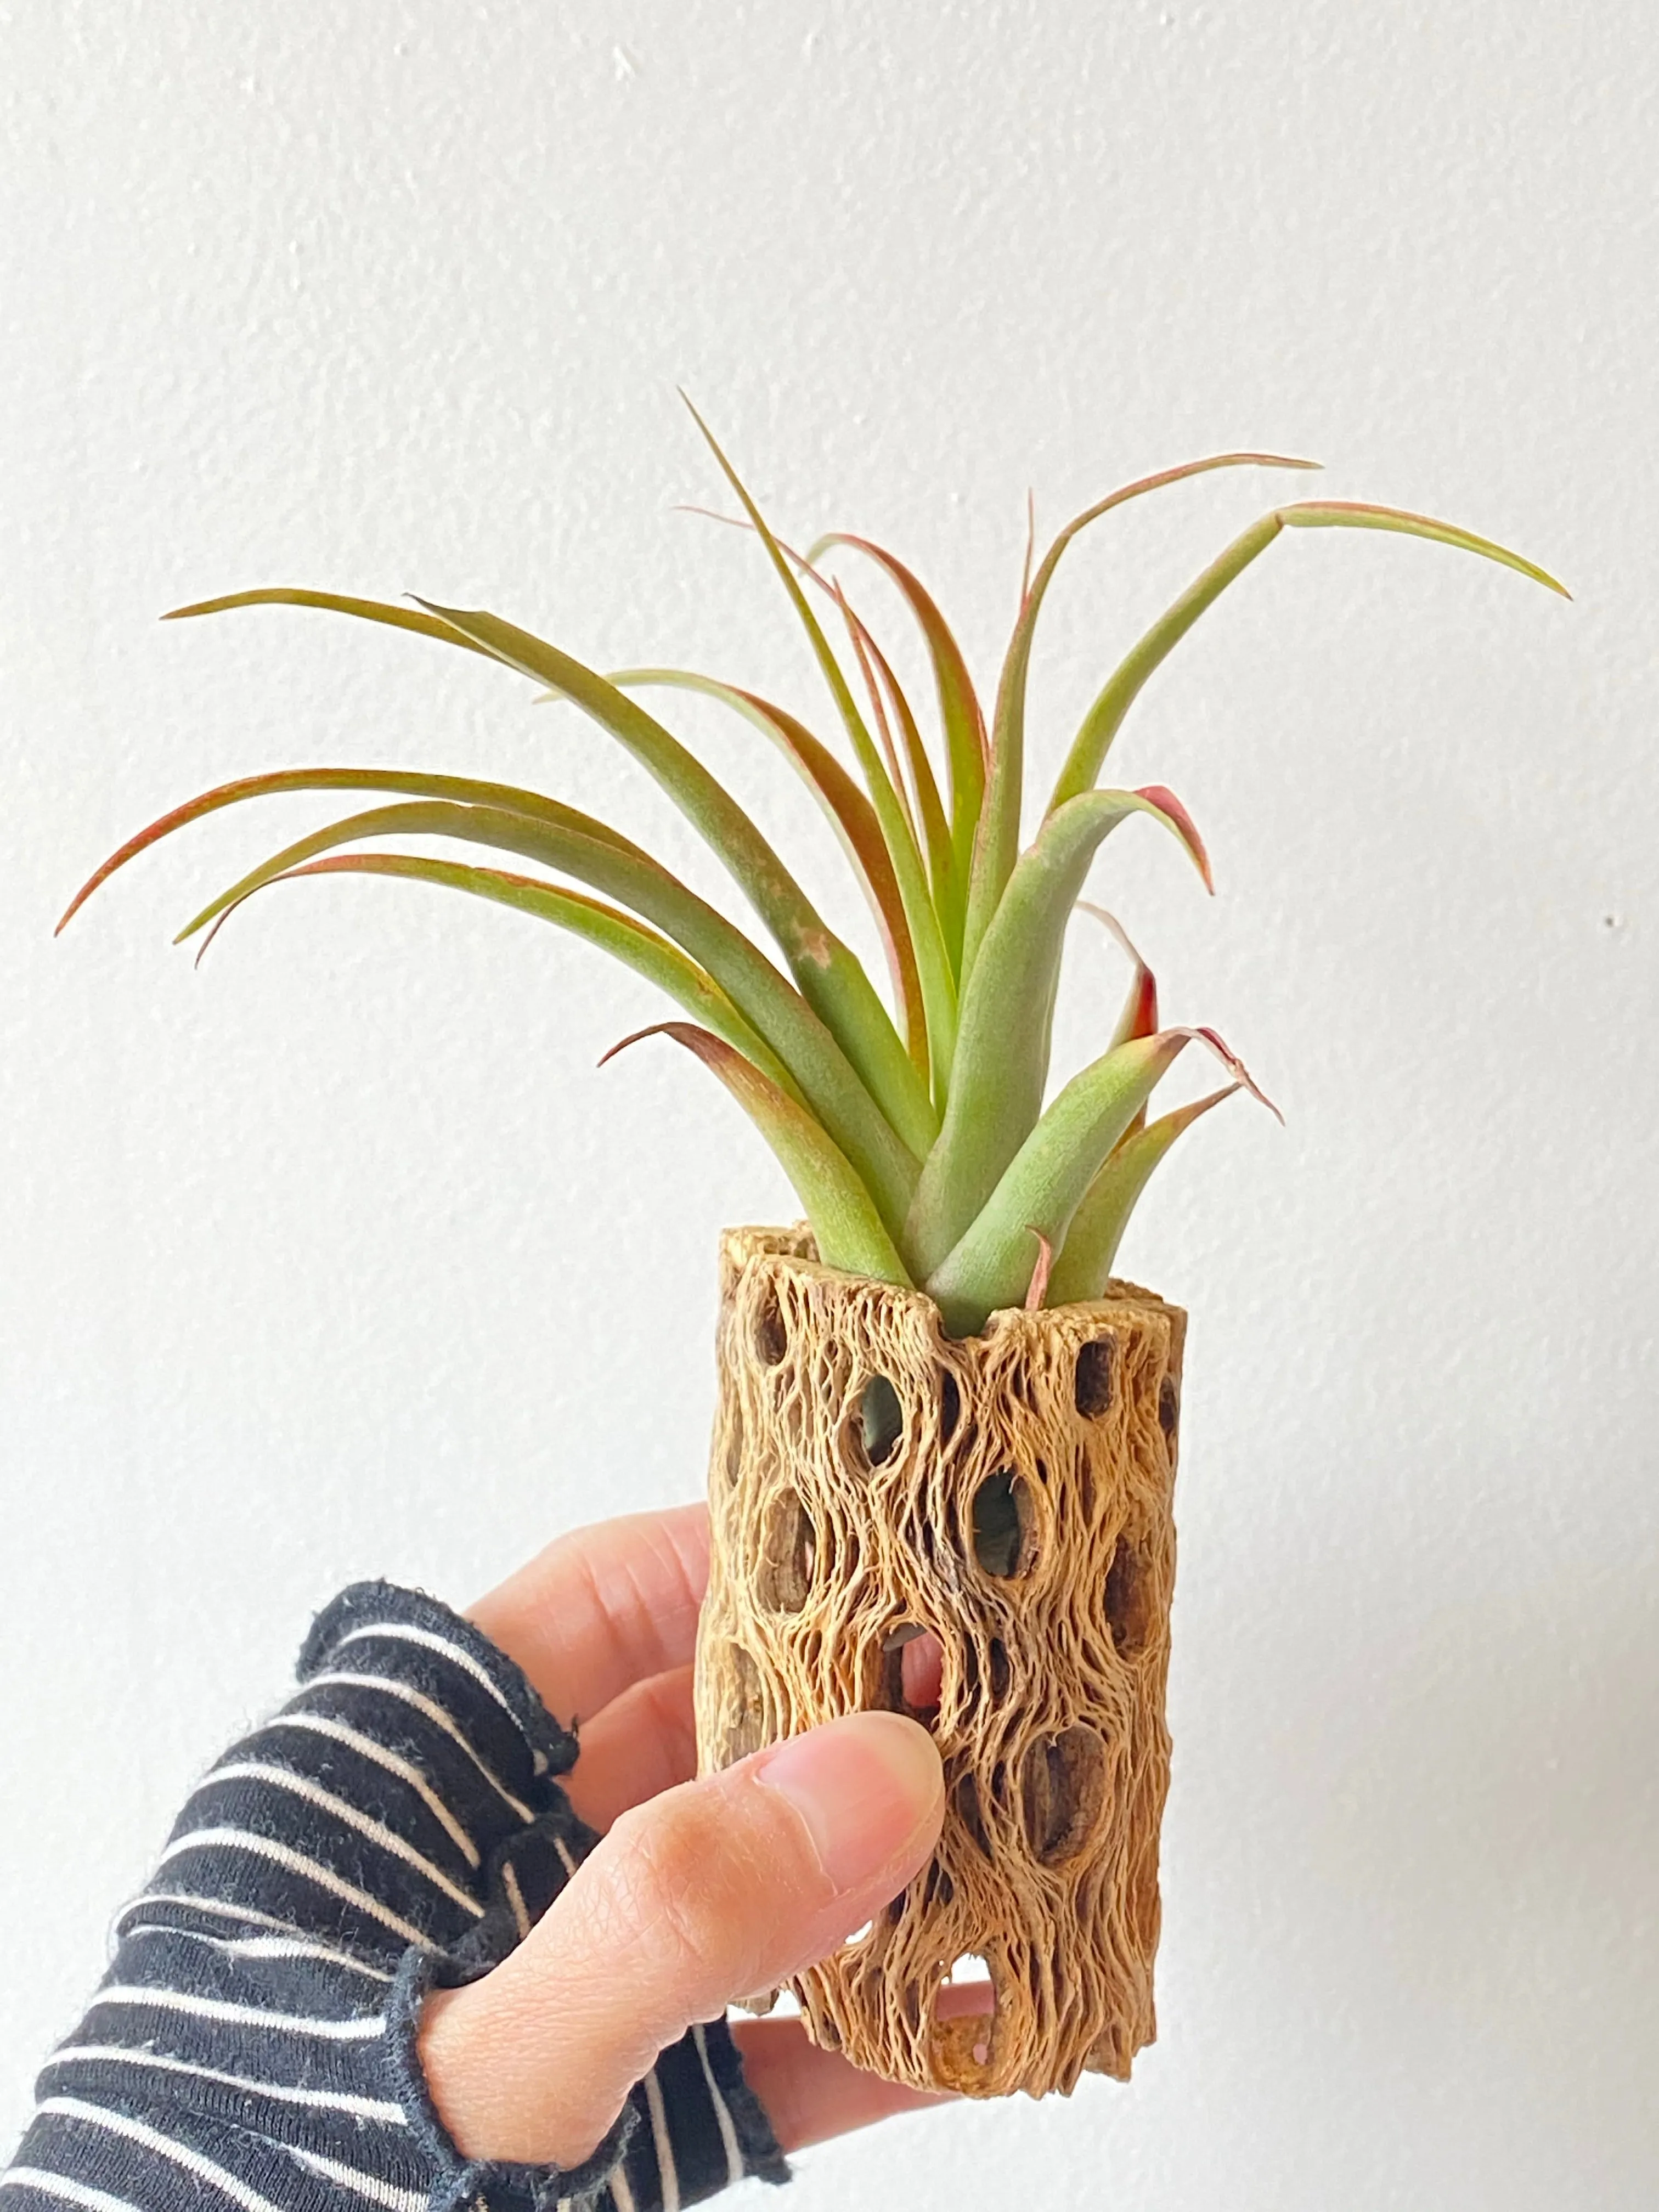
[(950, 1406), (881, 1419), (967, 1811), (1168, 1405), (788, 1549), (964, 2017), (970, 1979), (857, 1935), (1128, 1607), (771, 1338), (921, 1673), (1002, 1673), (1092, 1386), (1062, 1786), (1002, 1522), (912, 1673)]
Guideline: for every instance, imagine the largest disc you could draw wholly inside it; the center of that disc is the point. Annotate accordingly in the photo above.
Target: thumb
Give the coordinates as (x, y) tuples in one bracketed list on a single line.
[(710, 1891)]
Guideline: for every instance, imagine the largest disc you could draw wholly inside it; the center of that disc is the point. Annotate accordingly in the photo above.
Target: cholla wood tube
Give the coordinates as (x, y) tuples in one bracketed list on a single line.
[(1021, 1513)]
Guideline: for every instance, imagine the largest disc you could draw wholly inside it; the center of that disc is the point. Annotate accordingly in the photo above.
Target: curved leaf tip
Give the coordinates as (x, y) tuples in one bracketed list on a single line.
[(1160, 796), (1139, 1016), (1364, 515), (1235, 1068), (1040, 1271), (683, 1032), (1116, 931), (850, 1232)]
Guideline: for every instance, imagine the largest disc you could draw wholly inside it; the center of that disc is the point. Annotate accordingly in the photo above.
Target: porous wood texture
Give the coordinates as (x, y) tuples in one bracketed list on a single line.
[(1022, 1514)]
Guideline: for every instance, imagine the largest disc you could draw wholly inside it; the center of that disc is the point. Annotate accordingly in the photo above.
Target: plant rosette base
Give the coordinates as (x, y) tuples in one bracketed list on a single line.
[(874, 1481)]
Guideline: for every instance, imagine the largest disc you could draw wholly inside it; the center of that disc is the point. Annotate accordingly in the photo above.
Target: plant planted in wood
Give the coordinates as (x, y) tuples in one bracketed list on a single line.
[(946, 1442)]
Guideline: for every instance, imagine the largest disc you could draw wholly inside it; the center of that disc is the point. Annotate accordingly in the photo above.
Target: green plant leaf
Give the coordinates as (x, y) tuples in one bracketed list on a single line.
[(880, 679), (807, 1048), (1105, 717), (870, 659), (851, 814), (338, 603), (990, 1266), (846, 1223), (829, 977), (998, 841), (464, 789), (960, 714), (1002, 1052), (862, 644), (938, 977), (1045, 1182), (1085, 1266), (606, 926), (1361, 515), (946, 882)]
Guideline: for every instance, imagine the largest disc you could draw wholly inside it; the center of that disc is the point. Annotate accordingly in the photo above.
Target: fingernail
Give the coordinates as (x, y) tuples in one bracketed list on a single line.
[(863, 1786)]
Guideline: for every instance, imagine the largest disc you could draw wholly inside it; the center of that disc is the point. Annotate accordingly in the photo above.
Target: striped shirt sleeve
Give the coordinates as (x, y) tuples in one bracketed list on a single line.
[(398, 1825)]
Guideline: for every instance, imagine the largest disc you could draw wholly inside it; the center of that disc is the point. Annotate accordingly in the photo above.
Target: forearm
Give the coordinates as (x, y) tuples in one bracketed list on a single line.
[(398, 1825)]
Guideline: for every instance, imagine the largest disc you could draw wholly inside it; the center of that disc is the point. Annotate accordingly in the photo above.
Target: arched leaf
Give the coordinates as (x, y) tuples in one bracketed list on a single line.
[(938, 978), (828, 977), (1045, 1182), (606, 926), (1085, 1266), (464, 790), (960, 714), (998, 841), (849, 812), (806, 1047), (1105, 717), (845, 1222)]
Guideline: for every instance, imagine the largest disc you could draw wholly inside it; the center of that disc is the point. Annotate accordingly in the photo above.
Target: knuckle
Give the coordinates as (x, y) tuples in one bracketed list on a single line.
[(690, 1893)]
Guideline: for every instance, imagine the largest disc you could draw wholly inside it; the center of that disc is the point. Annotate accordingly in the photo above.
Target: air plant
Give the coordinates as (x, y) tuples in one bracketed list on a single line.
[(916, 1136)]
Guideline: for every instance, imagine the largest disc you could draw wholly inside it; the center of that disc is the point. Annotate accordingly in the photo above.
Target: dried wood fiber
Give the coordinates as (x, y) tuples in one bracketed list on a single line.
[(1011, 1494)]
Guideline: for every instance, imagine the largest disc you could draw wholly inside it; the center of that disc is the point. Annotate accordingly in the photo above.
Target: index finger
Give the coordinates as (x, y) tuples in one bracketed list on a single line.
[(603, 1607)]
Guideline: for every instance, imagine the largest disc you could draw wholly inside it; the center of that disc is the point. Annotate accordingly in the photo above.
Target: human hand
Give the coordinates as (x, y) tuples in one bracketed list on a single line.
[(701, 1894)]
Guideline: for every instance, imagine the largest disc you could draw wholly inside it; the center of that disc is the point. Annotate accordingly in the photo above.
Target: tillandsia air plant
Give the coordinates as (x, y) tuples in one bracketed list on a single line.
[(942, 1465), (916, 1137)]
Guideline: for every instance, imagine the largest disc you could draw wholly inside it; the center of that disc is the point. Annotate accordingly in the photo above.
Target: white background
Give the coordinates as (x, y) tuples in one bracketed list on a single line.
[(339, 1257)]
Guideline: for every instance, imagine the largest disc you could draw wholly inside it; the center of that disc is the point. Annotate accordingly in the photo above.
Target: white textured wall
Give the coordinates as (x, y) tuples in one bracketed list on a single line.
[(340, 1257)]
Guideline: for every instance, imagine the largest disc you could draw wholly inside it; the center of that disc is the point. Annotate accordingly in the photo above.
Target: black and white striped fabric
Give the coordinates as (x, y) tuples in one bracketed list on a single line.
[(397, 1826)]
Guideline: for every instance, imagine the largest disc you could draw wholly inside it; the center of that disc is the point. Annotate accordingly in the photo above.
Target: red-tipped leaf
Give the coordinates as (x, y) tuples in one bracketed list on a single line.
[(998, 841), (461, 789), (1085, 1266), (849, 812), (1105, 717), (845, 1221), (647, 953)]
